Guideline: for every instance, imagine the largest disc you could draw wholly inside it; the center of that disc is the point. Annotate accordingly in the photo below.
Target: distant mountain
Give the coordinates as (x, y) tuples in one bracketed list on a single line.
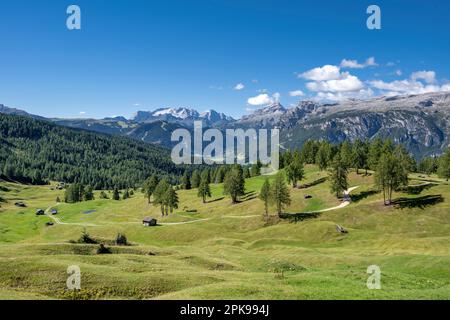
[(184, 116), (13, 111), (421, 122)]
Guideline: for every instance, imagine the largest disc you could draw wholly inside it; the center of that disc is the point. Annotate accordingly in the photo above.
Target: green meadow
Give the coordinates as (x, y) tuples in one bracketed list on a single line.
[(222, 251)]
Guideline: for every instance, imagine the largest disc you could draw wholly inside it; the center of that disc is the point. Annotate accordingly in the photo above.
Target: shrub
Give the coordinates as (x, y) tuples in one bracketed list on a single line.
[(86, 238), (121, 240), (103, 250)]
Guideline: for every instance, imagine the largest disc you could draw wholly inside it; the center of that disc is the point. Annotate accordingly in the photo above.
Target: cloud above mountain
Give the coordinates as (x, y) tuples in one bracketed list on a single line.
[(419, 82), (260, 100)]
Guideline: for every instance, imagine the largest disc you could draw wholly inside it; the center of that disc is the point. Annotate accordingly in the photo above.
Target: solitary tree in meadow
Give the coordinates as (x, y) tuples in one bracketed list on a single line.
[(280, 193), (295, 170), (234, 183), (170, 200), (160, 195), (390, 175), (265, 196)]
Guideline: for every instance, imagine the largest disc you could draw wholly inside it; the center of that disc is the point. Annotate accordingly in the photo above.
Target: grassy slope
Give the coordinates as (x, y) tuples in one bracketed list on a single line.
[(233, 254)]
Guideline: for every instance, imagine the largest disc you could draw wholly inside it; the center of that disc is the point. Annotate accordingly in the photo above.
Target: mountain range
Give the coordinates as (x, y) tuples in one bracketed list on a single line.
[(420, 122)]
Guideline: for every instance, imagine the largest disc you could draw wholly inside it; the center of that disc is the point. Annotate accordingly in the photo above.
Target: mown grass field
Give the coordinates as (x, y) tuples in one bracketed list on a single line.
[(226, 251)]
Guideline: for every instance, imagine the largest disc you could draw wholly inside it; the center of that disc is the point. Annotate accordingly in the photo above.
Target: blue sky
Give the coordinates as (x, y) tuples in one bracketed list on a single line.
[(142, 55)]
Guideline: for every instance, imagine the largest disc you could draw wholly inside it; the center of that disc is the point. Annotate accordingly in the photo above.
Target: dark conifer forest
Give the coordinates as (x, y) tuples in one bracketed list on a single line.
[(36, 151)]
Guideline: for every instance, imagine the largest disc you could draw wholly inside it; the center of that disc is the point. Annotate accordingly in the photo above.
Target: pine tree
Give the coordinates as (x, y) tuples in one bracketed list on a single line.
[(195, 180), (390, 175), (126, 194), (116, 194), (204, 189), (150, 186), (88, 193), (160, 195), (295, 170), (347, 155), (265, 196), (186, 181), (234, 183), (338, 176), (280, 193), (323, 156), (170, 200), (360, 154), (206, 175)]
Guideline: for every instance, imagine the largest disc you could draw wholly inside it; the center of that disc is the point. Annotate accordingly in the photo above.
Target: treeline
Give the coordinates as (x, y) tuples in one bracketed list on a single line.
[(391, 163), (363, 155), (36, 151)]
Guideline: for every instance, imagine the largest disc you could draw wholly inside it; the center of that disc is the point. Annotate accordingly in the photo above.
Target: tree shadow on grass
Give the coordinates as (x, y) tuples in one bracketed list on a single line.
[(312, 184), (296, 217), (215, 200), (415, 190), (420, 202), (362, 195)]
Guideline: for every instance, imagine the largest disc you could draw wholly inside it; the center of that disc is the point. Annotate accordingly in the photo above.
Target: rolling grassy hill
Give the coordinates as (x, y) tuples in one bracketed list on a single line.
[(228, 251)]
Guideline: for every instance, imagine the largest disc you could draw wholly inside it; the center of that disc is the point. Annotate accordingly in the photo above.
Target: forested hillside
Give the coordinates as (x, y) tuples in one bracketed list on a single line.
[(36, 151)]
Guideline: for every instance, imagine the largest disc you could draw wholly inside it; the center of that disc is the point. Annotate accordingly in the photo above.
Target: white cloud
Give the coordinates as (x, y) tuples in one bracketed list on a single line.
[(398, 72), (296, 93), (370, 62), (82, 112), (354, 64), (239, 86), (346, 83), (259, 100), (413, 85), (327, 72), (428, 76), (339, 96)]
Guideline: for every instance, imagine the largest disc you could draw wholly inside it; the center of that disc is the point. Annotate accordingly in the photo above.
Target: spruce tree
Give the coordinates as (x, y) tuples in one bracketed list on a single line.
[(150, 186), (186, 181), (295, 170), (160, 195), (338, 176), (234, 183), (280, 193), (204, 189), (116, 194), (170, 200)]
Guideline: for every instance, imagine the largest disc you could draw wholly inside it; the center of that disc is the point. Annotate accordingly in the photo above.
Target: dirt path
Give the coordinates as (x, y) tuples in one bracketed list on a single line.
[(58, 221), (342, 205)]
